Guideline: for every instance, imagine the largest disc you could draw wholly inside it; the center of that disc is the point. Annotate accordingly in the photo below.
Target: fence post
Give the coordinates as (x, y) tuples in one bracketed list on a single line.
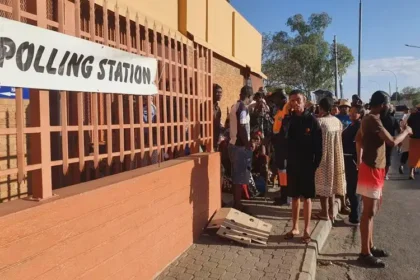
[(41, 184)]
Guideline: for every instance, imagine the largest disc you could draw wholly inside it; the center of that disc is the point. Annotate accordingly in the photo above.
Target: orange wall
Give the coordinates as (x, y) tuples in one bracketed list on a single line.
[(164, 11), (196, 18), (220, 26), (133, 226), (248, 43)]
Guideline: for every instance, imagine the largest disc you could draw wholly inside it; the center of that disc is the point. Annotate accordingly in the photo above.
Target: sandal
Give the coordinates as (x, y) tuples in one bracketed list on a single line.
[(371, 261), (320, 217), (289, 235), (379, 253), (306, 239)]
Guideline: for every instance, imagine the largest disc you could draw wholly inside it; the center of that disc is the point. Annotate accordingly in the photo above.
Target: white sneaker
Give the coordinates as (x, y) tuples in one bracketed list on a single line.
[(347, 222), (386, 178)]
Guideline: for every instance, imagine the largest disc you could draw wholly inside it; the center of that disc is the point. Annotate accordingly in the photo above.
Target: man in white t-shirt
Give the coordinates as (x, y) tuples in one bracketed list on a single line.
[(240, 153)]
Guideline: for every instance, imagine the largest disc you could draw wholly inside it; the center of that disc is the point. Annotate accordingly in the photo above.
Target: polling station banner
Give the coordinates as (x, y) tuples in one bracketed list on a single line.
[(33, 57)]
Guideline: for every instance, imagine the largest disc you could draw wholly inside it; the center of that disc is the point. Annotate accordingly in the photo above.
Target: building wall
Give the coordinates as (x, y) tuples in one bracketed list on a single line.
[(248, 43), (127, 226), (220, 30), (164, 11), (196, 18), (9, 187), (228, 75)]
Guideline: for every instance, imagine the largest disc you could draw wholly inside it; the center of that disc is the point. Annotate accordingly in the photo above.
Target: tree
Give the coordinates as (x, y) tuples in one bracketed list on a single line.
[(302, 58)]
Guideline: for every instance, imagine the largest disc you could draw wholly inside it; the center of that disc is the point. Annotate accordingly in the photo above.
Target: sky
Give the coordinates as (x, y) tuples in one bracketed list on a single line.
[(387, 26)]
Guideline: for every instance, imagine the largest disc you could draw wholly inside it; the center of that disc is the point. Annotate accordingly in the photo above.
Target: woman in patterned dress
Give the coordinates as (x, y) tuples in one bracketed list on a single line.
[(330, 177)]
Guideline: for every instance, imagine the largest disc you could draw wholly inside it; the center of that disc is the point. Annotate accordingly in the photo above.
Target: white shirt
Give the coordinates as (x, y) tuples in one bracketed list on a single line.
[(244, 120)]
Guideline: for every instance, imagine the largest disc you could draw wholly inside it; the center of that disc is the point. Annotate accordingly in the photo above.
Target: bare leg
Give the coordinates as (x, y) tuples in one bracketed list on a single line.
[(366, 223), (295, 215), (307, 212), (331, 207), (371, 234), (324, 206)]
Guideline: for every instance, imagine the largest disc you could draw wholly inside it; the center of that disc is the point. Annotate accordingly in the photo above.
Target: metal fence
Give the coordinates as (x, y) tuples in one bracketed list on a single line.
[(73, 137)]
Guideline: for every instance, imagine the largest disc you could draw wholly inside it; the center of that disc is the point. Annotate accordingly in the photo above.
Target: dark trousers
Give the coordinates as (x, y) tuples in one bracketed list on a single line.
[(351, 178), (404, 158)]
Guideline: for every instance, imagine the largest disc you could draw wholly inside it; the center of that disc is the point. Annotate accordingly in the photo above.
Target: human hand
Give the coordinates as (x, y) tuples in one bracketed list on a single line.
[(409, 130)]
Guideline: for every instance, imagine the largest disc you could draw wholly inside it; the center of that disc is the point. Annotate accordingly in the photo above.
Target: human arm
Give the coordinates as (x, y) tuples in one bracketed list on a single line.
[(386, 136)]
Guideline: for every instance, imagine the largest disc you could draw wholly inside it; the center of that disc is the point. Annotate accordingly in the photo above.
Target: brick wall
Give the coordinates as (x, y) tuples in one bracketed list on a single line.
[(9, 188), (230, 78), (126, 226)]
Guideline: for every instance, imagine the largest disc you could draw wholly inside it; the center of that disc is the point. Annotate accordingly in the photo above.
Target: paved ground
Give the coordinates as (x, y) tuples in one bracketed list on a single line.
[(215, 258), (397, 228)]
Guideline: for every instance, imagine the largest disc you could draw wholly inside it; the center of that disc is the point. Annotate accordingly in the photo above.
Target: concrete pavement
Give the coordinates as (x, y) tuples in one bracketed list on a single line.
[(397, 229), (216, 258)]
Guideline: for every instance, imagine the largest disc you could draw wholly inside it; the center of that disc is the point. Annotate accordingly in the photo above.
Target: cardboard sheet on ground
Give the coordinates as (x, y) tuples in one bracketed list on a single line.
[(240, 227)]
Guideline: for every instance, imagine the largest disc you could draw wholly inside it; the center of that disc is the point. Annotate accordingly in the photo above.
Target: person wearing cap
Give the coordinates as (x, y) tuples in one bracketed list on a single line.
[(414, 146), (344, 107), (371, 141)]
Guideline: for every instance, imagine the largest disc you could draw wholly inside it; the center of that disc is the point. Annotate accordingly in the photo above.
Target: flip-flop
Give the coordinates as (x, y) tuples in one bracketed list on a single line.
[(289, 235), (306, 239)]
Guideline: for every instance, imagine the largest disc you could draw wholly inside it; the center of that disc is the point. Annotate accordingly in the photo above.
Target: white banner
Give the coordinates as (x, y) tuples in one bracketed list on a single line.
[(33, 57)]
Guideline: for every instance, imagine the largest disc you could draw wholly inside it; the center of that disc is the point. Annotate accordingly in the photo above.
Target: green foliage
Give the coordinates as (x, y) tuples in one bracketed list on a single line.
[(303, 59)]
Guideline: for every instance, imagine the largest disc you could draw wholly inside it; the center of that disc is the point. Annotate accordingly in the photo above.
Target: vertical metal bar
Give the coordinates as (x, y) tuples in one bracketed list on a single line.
[(109, 128), (106, 26), (128, 30), (189, 95), (195, 97), (121, 123), (149, 99), (164, 91), (138, 35), (63, 101), (16, 10), (95, 130), (81, 132), (20, 136), (184, 132), (155, 51), (117, 26), (178, 121), (210, 77), (64, 131), (171, 90), (141, 116), (131, 111), (200, 94)]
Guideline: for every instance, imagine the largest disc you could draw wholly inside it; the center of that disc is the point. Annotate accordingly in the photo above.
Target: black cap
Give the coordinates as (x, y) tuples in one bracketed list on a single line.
[(378, 98)]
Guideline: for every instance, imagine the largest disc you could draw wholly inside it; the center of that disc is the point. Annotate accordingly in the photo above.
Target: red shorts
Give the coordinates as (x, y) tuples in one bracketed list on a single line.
[(371, 181)]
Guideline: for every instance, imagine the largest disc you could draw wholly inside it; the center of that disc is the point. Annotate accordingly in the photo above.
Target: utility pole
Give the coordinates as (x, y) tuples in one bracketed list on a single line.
[(359, 73), (336, 66), (341, 88), (390, 90)]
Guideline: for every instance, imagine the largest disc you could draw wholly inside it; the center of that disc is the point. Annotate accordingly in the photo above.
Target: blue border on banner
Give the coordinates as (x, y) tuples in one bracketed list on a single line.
[(9, 93)]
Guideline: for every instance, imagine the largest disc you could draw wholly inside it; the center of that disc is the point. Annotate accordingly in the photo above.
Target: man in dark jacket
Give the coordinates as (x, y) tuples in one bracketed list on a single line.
[(304, 154)]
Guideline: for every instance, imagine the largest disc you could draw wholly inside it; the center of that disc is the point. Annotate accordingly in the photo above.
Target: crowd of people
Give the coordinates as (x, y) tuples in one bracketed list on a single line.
[(333, 148)]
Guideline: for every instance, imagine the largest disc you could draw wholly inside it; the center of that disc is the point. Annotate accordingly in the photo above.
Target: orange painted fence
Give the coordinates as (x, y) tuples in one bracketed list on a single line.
[(75, 137)]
